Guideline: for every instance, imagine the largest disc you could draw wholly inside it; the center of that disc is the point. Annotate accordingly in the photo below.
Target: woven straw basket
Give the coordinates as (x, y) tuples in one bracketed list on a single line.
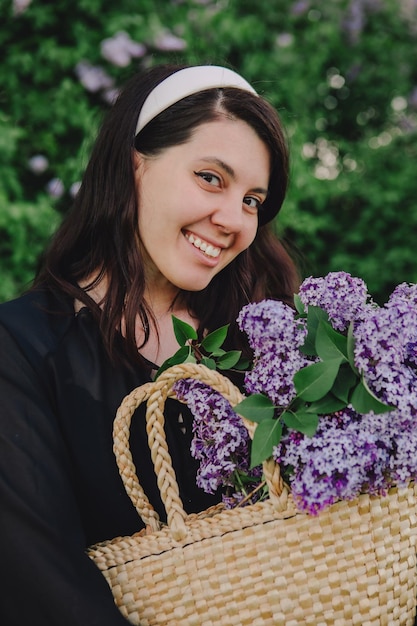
[(261, 565)]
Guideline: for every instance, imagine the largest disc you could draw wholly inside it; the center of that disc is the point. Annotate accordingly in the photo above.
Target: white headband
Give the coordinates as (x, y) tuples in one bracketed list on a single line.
[(185, 83)]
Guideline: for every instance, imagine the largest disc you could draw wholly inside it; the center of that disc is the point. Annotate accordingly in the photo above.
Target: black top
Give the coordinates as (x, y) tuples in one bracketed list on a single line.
[(60, 489)]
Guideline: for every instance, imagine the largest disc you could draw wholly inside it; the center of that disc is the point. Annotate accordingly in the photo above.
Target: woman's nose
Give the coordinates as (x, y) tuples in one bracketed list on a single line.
[(228, 214)]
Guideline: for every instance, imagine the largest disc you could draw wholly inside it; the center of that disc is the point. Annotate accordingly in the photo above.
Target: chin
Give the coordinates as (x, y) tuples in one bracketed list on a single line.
[(193, 285)]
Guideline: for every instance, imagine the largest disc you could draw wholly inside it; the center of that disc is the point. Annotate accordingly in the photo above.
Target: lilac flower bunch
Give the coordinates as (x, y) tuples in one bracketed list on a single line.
[(275, 339), (342, 296), (357, 449), (332, 388), (220, 442)]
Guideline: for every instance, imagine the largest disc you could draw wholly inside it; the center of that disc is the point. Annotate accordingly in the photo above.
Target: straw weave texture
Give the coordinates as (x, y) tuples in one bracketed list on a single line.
[(260, 565)]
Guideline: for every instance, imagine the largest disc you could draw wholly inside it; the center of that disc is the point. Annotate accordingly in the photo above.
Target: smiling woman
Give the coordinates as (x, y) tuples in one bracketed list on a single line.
[(172, 217), (210, 199)]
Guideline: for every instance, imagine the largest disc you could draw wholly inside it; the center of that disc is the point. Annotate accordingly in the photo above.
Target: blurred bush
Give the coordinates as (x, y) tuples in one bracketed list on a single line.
[(342, 75)]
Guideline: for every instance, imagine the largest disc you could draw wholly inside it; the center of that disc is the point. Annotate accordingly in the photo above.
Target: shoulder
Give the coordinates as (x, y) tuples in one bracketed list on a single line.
[(36, 321)]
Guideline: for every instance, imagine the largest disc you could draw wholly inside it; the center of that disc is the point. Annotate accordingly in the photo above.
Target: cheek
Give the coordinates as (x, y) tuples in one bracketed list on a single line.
[(248, 235), (243, 241)]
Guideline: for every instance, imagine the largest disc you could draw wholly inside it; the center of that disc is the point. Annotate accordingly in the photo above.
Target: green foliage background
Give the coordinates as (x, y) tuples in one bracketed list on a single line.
[(342, 73)]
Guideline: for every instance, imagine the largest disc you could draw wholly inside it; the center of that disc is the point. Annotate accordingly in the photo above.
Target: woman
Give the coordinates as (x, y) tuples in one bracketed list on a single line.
[(171, 218)]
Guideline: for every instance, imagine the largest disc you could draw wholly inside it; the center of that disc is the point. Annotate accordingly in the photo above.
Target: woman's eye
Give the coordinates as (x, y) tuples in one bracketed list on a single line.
[(253, 203), (209, 178)]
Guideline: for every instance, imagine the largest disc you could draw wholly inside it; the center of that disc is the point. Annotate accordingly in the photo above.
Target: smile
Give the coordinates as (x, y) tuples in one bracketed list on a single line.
[(202, 245)]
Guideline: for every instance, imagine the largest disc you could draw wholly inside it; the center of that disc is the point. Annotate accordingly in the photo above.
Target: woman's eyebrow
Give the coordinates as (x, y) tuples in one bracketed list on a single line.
[(230, 171), (225, 166)]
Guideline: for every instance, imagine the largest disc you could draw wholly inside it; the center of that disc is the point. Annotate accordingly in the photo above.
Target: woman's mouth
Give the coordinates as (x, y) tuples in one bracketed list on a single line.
[(208, 249)]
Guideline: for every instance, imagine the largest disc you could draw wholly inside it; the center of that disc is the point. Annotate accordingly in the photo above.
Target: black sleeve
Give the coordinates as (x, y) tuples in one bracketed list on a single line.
[(47, 579)]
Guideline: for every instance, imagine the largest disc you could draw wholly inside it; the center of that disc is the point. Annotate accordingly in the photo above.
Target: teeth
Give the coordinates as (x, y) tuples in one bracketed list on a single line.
[(203, 246)]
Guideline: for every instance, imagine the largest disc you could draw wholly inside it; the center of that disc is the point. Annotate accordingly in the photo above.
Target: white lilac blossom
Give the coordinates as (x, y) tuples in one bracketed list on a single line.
[(38, 164), (74, 189), (275, 338), (92, 77), (168, 42), (284, 40), (121, 49), (342, 296), (110, 96), (20, 6), (55, 188), (220, 440)]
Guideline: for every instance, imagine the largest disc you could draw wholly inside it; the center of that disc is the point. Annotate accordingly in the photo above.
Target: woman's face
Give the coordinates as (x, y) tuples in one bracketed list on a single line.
[(198, 203)]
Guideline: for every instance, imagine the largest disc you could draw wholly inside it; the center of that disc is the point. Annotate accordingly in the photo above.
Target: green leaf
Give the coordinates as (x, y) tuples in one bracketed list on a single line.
[(255, 408), (243, 477), (364, 401), (351, 349), (208, 362), (243, 364), (325, 406), (228, 360), (183, 331), (215, 340), (309, 346), (329, 343), (267, 435), (180, 356), (304, 421), (314, 381), (345, 380), (299, 305), (218, 352), (314, 316)]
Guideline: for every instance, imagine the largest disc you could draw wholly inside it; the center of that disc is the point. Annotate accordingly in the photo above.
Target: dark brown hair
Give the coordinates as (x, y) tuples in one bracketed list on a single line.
[(99, 236)]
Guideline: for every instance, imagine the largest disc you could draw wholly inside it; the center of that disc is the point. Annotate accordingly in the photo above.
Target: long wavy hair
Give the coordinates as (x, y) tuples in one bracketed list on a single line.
[(99, 235)]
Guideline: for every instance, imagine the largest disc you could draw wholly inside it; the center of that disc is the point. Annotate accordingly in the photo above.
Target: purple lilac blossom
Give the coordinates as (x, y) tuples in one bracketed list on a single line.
[(220, 440), (403, 464), (349, 454), (342, 296), (354, 21), (405, 297), (274, 336), (300, 7), (412, 98), (385, 351)]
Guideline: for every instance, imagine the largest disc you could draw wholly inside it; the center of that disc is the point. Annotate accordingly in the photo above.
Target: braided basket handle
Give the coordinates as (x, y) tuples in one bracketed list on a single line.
[(157, 394), (124, 459)]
